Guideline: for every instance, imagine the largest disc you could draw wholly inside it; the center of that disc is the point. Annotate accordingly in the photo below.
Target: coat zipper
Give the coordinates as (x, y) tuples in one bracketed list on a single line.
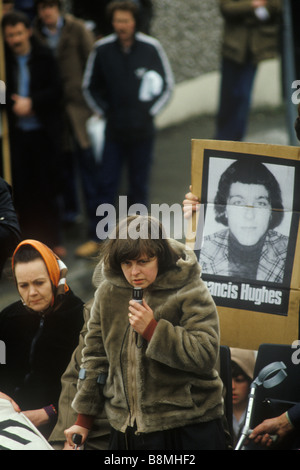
[(35, 339), (32, 347)]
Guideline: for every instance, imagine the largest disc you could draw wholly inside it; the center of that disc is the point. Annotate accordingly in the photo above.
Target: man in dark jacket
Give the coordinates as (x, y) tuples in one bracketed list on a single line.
[(251, 36), (128, 79), (33, 106), (9, 225)]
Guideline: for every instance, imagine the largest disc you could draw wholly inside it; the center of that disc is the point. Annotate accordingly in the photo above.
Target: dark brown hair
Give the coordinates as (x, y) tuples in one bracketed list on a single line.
[(236, 371), (124, 6), (26, 254), (49, 3), (12, 18), (129, 244), (249, 171)]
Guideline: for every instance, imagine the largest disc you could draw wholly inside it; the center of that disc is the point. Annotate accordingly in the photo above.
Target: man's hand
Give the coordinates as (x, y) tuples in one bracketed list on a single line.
[(279, 426), (259, 3), (14, 404), (75, 429), (190, 204), (22, 106)]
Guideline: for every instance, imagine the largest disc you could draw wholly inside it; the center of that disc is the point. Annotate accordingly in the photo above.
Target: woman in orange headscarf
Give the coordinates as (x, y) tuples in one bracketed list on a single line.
[(40, 332)]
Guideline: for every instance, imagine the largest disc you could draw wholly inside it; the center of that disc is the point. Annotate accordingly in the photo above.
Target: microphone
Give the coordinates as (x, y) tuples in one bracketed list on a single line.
[(137, 294)]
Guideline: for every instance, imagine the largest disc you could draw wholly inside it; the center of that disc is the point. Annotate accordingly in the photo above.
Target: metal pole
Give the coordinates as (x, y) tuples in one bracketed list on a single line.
[(4, 123), (289, 70), (246, 427)]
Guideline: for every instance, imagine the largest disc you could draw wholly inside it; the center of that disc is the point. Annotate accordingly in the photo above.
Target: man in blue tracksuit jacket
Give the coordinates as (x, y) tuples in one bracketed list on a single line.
[(128, 80)]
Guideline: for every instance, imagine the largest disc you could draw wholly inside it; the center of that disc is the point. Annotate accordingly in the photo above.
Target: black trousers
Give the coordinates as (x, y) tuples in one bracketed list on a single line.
[(35, 185), (200, 436)]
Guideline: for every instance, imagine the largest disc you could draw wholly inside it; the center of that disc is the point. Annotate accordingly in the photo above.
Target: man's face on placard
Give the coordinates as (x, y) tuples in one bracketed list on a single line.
[(248, 212)]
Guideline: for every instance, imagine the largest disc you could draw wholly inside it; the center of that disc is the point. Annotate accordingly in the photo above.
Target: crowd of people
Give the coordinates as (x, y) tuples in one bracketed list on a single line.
[(51, 61), (124, 375)]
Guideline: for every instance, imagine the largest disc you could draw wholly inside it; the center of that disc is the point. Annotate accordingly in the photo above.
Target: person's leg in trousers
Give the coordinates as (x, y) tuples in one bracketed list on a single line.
[(235, 99), (109, 179), (139, 159)]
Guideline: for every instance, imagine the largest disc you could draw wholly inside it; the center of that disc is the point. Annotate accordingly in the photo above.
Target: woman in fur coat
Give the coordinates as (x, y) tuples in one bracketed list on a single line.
[(151, 365)]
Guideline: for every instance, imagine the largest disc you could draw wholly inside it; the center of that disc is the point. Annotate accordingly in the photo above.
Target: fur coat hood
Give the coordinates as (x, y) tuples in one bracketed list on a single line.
[(167, 382), (187, 264)]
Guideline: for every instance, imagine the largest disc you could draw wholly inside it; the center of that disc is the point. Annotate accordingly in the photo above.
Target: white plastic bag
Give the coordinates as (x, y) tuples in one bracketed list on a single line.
[(151, 86), (95, 127)]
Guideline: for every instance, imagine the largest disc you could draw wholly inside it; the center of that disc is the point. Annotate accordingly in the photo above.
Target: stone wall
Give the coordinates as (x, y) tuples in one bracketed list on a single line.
[(190, 32)]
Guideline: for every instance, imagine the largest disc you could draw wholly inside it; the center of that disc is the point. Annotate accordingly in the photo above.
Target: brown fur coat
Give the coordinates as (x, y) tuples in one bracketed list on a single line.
[(172, 378)]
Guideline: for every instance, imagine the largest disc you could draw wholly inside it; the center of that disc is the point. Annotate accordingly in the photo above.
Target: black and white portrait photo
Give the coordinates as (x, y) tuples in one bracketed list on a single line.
[(245, 233), (248, 219)]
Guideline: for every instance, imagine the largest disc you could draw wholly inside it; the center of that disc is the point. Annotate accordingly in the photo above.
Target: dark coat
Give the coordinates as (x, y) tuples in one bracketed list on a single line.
[(73, 49), (113, 82), (45, 89), (245, 35), (9, 225), (38, 350)]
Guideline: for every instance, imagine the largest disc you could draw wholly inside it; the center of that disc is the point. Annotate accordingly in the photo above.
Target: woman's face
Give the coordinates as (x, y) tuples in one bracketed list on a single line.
[(248, 212), (140, 272), (34, 284)]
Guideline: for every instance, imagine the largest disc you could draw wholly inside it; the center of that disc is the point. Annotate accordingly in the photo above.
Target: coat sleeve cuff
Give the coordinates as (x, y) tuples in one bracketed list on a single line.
[(51, 411), (293, 416), (148, 332), (86, 421)]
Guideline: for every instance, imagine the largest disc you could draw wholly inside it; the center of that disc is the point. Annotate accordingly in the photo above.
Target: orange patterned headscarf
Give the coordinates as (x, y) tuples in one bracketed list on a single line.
[(57, 270)]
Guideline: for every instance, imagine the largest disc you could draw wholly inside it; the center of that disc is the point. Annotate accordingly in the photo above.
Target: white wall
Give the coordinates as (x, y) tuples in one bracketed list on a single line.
[(200, 95)]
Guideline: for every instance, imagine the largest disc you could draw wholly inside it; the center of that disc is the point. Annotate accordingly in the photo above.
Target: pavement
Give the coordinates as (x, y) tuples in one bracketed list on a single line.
[(171, 177)]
